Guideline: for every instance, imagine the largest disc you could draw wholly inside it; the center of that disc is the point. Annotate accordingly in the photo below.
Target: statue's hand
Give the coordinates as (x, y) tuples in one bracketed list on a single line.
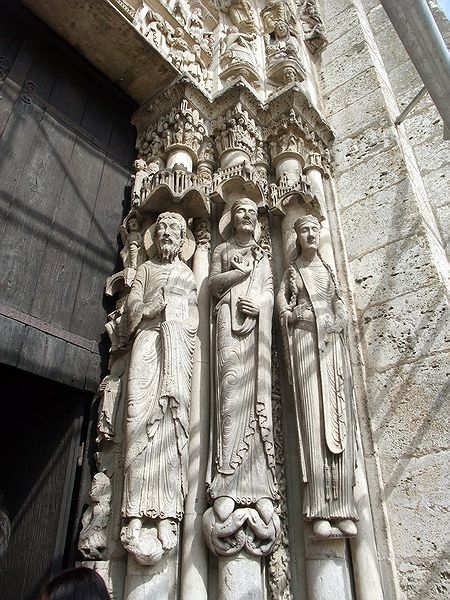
[(248, 307), (328, 324), (151, 310), (290, 316), (339, 325), (239, 262), (302, 312)]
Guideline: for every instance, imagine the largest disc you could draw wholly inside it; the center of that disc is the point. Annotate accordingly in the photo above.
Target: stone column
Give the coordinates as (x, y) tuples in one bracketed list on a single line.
[(314, 170), (194, 554), (366, 572)]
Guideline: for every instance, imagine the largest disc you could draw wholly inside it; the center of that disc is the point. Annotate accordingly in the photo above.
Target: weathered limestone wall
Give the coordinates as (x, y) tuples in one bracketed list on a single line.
[(391, 203)]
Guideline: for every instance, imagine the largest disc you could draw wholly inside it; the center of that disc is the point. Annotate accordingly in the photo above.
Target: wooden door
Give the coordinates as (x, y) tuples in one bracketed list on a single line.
[(66, 151)]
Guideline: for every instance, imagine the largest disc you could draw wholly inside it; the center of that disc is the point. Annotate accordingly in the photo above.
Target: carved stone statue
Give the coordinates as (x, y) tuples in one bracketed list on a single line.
[(140, 173), (313, 319), (178, 48), (243, 462), (242, 15), (238, 47), (92, 543), (162, 320), (109, 392), (313, 26), (195, 24), (131, 236)]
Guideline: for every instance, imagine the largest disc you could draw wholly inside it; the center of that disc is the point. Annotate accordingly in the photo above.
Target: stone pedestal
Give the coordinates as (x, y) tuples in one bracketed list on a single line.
[(148, 583), (240, 578), (327, 570)]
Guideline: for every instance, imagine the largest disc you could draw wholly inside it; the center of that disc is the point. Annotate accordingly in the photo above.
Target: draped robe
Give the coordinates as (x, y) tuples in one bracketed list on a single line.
[(243, 463), (159, 387), (323, 389)]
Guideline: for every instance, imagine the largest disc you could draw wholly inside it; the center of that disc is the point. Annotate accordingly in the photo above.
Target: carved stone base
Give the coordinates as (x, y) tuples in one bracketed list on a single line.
[(240, 578), (244, 529), (148, 583), (144, 546)]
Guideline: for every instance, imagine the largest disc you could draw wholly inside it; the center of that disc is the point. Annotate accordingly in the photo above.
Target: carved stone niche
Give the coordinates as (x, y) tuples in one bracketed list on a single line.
[(235, 134), (300, 158), (180, 160)]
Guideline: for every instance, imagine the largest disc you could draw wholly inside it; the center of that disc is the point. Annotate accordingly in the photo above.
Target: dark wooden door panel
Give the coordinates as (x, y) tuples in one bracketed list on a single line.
[(66, 150), (66, 248), (29, 224), (89, 314)]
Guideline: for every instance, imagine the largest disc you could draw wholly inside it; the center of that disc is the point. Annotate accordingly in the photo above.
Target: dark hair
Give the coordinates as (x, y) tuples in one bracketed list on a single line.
[(76, 584)]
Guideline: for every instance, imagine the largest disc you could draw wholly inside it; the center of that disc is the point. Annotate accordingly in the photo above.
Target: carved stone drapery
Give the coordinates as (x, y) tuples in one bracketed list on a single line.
[(242, 482), (162, 320), (196, 156), (313, 322)]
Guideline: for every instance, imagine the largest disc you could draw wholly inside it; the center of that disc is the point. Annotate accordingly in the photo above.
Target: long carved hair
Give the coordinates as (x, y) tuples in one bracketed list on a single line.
[(293, 299)]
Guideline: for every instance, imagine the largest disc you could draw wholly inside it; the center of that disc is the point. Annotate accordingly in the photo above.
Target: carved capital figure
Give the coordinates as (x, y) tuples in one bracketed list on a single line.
[(243, 465), (313, 319), (162, 320)]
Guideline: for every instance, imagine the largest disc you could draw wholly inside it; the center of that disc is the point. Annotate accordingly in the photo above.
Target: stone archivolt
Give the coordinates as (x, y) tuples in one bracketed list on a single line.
[(218, 43)]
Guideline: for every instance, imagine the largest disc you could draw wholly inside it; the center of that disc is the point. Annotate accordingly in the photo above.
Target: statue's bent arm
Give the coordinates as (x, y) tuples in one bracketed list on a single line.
[(221, 282)]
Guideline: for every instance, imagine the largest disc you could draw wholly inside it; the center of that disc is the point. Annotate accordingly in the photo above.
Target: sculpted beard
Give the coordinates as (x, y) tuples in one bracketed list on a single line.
[(168, 250)]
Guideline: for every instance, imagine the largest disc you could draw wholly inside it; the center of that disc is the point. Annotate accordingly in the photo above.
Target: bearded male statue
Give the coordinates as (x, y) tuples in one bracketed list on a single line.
[(162, 321)]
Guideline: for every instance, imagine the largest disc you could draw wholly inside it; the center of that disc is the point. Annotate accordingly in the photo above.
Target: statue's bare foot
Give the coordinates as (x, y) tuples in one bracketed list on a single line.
[(224, 507), (321, 528), (167, 533), (265, 508), (130, 533), (347, 527)]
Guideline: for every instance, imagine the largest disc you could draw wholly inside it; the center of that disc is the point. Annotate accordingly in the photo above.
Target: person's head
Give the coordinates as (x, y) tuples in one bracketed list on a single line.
[(169, 235), (76, 584), (244, 216), (307, 229)]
